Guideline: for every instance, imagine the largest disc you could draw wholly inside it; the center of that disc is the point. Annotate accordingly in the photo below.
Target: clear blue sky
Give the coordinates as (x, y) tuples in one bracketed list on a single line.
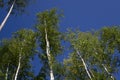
[(85, 14)]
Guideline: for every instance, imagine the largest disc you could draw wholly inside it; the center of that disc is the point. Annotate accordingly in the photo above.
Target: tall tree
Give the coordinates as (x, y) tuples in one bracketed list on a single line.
[(25, 44), (96, 52), (82, 44), (49, 38)]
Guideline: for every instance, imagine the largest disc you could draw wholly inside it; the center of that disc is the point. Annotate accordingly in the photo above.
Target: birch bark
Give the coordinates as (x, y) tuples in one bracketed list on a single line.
[(108, 71), (18, 68), (48, 54), (85, 66), (7, 16)]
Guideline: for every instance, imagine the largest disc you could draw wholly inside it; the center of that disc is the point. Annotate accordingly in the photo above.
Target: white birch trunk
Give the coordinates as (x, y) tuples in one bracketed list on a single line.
[(85, 66), (8, 14), (48, 54), (18, 68), (6, 75), (108, 71)]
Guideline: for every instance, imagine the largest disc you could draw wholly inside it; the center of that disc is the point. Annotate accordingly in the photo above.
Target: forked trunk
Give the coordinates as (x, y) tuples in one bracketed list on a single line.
[(85, 65), (18, 68), (8, 14), (48, 54)]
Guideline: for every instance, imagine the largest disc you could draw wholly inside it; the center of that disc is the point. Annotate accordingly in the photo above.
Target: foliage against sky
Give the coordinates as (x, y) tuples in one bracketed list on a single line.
[(106, 42)]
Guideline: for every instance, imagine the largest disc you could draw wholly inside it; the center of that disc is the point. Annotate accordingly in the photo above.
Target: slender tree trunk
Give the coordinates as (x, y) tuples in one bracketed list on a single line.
[(48, 54), (18, 68), (92, 74), (8, 14), (85, 65), (6, 75), (108, 72)]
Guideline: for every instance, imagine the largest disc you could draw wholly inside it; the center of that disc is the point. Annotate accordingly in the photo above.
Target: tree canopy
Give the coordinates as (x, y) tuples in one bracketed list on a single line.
[(92, 55)]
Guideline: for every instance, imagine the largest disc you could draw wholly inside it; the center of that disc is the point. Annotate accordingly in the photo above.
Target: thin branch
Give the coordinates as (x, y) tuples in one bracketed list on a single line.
[(108, 72), (85, 65)]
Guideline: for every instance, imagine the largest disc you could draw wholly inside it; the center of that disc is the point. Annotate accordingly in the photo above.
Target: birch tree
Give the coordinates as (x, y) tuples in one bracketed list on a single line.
[(110, 44), (25, 44), (82, 44), (5, 60), (17, 54), (49, 39), (17, 5), (96, 52)]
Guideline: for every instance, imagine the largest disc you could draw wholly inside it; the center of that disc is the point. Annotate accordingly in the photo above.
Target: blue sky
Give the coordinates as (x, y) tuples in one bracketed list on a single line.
[(83, 14)]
